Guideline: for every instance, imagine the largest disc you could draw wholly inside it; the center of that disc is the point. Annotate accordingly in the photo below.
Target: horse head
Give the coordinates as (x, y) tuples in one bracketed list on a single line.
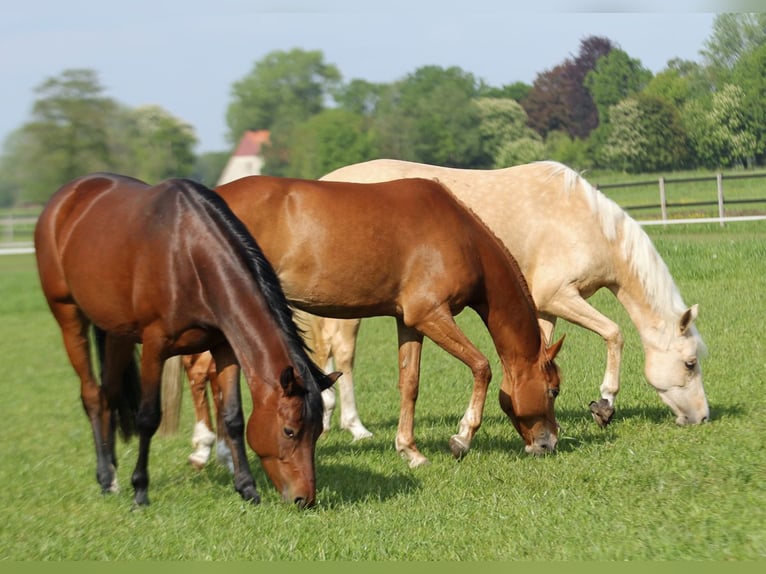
[(675, 372), (528, 397), (283, 428)]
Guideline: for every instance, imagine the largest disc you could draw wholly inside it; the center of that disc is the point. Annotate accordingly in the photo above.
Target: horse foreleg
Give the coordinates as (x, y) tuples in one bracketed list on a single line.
[(442, 330), (410, 347), (571, 307), (223, 443), (196, 367), (342, 334), (227, 370)]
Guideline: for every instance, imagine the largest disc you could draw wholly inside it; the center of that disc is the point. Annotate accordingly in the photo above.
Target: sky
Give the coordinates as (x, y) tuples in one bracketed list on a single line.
[(184, 55)]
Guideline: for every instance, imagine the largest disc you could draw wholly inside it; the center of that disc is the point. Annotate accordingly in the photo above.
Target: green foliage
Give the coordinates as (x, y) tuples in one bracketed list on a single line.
[(719, 129), (504, 132), (430, 117), (75, 130), (734, 35), (327, 141), (282, 90), (574, 152), (646, 135), (750, 76), (209, 166), (642, 489), (615, 77), (150, 144)]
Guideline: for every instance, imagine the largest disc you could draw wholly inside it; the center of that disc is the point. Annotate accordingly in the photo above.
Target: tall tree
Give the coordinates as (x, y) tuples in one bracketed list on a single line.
[(734, 35), (151, 144), (283, 89), (430, 117), (327, 141), (646, 135), (719, 128), (559, 100), (615, 77), (505, 134), (68, 134)]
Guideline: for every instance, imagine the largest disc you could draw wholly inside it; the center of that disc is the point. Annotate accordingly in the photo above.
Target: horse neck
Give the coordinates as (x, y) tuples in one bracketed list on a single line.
[(646, 290), (511, 315), (248, 325)]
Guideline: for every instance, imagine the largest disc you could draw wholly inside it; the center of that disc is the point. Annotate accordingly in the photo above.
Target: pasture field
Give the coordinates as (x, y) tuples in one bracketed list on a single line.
[(642, 489)]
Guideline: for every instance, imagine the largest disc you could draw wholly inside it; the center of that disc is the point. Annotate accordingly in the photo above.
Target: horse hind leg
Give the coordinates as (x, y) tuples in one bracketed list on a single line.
[(343, 337), (74, 329), (203, 438)]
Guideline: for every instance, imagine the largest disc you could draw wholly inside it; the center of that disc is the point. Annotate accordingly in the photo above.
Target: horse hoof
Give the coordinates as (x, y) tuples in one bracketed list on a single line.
[(458, 446), (602, 412), (360, 434), (140, 500), (251, 495), (197, 462)]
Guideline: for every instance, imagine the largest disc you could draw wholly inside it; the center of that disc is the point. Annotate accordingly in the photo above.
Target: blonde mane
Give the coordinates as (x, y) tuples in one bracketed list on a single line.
[(638, 250)]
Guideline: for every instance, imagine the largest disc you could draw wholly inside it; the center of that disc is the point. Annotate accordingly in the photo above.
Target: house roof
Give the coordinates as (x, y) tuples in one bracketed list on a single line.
[(251, 143)]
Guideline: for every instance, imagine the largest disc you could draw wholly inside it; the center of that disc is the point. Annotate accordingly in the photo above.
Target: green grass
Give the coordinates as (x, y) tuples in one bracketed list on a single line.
[(643, 489)]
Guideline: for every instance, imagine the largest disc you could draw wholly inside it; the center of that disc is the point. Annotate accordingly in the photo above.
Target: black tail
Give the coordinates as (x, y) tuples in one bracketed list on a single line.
[(124, 401)]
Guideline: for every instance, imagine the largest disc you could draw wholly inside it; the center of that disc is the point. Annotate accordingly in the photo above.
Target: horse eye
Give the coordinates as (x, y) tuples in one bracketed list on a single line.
[(690, 365), (288, 432), (553, 392)]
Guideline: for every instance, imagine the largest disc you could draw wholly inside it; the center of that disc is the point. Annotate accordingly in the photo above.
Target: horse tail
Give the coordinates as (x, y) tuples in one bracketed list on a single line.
[(172, 383), (124, 403)]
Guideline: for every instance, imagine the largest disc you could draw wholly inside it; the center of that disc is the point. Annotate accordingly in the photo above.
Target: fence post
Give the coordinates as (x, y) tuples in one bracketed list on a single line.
[(719, 183), (663, 200)]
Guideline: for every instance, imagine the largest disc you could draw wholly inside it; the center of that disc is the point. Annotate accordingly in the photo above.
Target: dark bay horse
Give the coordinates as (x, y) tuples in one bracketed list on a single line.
[(170, 267), (410, 250)]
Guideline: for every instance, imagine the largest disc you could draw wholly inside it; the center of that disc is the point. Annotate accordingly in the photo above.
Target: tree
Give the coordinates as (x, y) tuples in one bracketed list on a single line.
[(750, 75), (504, 132), (67, 136), (283, 89), (151, 144), (359, 96), (615, 77), (559, 100), (327, 141), (430, 117), (734, 35), (719, 130), (516, 91), (646, 135)]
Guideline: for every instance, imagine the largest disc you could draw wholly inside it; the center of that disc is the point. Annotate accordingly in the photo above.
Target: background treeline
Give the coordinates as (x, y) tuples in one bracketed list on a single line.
[(599, 109)]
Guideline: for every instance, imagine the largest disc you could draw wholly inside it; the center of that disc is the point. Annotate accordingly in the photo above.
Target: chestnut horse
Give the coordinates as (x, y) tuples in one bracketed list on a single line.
[(170, 267), (351, 250), (570, 241)]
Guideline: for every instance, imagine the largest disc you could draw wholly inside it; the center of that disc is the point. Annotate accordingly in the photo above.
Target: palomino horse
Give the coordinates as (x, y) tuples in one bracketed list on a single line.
[(570, 241), (397, 254), (170, 267)]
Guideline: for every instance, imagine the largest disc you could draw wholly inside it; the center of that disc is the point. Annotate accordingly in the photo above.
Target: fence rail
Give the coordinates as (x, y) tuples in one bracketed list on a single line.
[(720, 200), (16, 230)]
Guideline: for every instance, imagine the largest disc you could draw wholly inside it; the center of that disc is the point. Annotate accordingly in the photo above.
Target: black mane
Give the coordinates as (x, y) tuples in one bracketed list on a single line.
[(268, 282)]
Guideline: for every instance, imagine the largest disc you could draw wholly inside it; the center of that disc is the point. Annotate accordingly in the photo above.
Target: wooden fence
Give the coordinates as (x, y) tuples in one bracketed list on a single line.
[(718, 201), (16, 231)]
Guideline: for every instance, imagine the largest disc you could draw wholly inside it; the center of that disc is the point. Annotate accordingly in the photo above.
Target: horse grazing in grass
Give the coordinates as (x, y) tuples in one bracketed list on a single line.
[(172, 268), (570, 241), (410, 250)]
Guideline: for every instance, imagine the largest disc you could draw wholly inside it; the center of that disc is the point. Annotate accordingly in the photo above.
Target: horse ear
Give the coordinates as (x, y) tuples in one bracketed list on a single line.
[(554, 349), (688, 318), (290, 383), (329, 380)]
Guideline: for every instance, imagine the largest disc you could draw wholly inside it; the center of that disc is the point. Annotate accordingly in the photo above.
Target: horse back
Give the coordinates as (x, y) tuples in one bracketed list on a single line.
[(376, 240)]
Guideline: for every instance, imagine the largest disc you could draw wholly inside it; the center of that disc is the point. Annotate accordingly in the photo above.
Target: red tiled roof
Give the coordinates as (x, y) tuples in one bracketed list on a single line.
[(251, 142)]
